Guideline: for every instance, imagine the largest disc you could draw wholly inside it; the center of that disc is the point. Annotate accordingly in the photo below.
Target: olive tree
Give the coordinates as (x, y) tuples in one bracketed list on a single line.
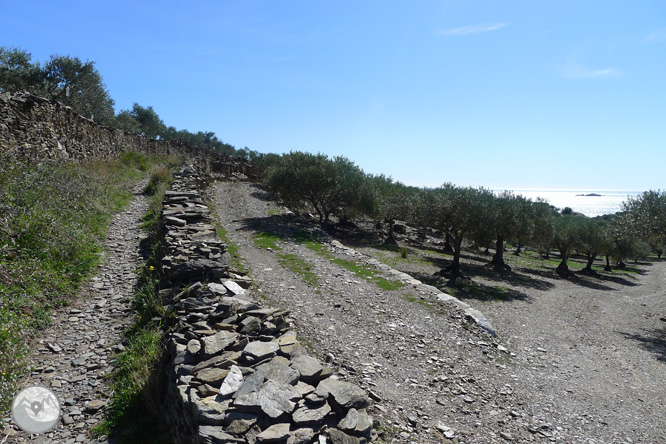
[(645, 218), (591, 240), (507, 214), (17, 72), (79, 85), (391, 201), (329, 186), (565, 238), (459, 211)]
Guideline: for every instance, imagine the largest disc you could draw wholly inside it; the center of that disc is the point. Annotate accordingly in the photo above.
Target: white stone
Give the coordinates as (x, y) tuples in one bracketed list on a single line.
[(232, 382)]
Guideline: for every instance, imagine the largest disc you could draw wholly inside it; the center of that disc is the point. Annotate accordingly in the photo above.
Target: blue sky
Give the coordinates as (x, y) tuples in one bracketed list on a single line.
[(502, 94)]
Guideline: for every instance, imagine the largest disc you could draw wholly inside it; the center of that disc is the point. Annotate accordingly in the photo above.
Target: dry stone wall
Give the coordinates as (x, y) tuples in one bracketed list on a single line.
[(236, 371), (35, 129)]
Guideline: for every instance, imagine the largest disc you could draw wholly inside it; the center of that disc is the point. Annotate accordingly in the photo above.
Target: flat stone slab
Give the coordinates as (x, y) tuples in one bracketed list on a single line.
[(279, 373), (313, 416), (258, 350), (344, 393), (275, 433), (218, 342), (272, 399)]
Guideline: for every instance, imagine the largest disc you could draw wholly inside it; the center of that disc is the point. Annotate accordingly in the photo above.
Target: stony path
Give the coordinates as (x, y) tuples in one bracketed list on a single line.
[(75, 353)]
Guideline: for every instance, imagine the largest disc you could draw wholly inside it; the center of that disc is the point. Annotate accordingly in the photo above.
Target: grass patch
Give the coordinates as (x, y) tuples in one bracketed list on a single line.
[(266, 240), (299, 266), (53, 221), (314, 243), (404, 252)]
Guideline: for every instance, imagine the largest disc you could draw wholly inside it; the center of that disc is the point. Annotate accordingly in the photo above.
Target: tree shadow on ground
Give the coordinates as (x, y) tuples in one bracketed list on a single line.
[(653, 341), (260, 193), (577, 279), (484, 270), (467, 289), (281, 225)]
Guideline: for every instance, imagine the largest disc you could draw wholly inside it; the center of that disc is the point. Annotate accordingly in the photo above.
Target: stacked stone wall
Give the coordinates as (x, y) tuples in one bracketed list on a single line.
[(35, 129), (235, 370)]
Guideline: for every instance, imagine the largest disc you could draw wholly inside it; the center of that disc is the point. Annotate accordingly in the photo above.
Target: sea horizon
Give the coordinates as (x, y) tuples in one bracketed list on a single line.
[(607, 201)]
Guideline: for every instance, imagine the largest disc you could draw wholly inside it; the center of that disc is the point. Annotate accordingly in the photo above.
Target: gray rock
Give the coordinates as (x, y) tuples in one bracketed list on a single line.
[(225, 360), (239, 303), (170, 220), (356, 421), (312, 416), (212, 376), (250, 325), (218, 289), (280, 373), (194, 346), (339, 437), (344, 393), (215, 435), (309, 368), (95, 405), (252, 384), (257, 350), (274, 400), (275, 433), (233, 287), (218, 342), (238, 422), (301, 436)]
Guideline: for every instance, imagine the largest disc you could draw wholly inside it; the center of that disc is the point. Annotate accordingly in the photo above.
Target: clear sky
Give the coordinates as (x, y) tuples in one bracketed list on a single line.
[(511, 94)]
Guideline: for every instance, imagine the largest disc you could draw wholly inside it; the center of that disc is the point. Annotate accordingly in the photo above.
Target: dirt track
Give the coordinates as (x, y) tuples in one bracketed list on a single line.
[(587, 356)]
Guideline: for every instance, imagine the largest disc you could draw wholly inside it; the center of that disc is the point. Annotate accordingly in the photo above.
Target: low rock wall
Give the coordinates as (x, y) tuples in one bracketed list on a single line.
[(35, 129), (235, 370)]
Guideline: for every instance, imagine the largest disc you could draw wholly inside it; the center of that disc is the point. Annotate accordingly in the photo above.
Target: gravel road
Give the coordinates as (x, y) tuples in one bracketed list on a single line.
[(576, 361)]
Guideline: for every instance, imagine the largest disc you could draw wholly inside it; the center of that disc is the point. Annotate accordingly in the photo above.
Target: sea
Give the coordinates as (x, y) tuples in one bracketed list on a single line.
[(607, 202)]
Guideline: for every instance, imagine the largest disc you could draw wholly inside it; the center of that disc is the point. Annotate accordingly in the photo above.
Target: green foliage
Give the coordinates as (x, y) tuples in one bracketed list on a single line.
[(79, 85), (458, 212), (133, 412), (645, 218), (160, 179), (17, 72), (62, 78), (566, 237), (404, 252), (145, 119), (591, 240), (134, 159), (368, 273), (327, 186), (391, 200)]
